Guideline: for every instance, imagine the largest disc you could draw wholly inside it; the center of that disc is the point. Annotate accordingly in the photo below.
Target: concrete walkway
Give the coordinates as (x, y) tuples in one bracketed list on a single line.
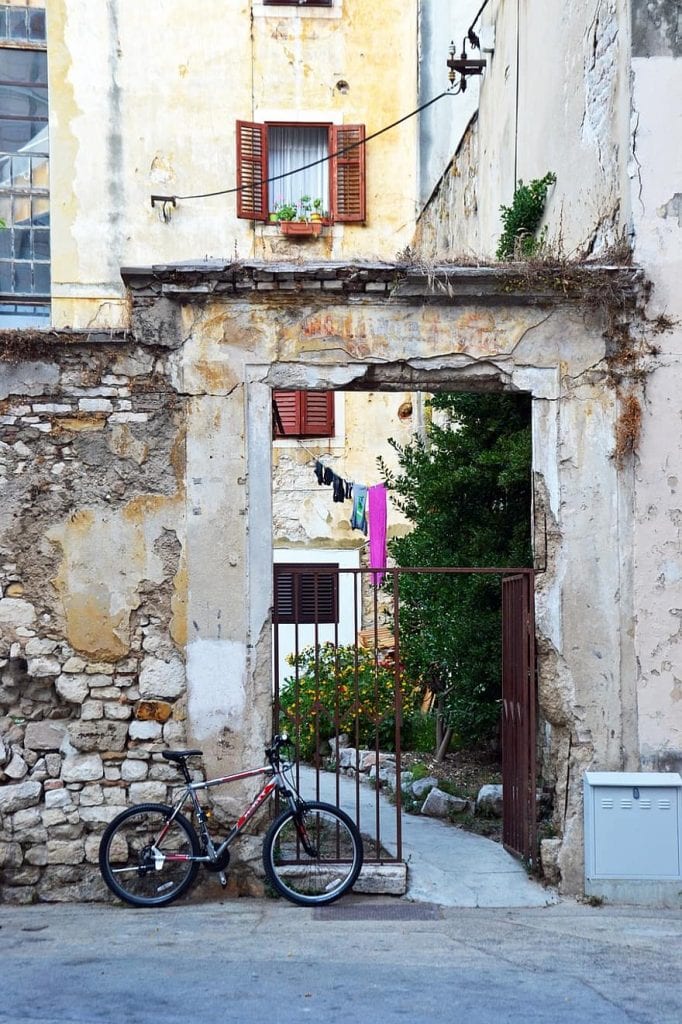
[(445, 864)]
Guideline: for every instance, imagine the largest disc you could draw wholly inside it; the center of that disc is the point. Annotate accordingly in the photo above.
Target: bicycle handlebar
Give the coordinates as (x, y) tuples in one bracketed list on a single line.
[(278, 741)]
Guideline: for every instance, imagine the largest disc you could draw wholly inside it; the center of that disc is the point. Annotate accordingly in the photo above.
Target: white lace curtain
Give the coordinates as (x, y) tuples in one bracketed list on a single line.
[(290, 147)]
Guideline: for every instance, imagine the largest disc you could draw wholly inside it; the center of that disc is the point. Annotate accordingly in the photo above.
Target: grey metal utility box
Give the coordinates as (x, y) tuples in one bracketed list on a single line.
[(633, 836)]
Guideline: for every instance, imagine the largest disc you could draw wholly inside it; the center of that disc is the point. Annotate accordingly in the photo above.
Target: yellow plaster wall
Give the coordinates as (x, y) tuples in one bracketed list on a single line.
[(144, 98)]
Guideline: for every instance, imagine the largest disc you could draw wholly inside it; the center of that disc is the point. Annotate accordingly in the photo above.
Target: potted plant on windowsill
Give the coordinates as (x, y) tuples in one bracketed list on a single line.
[(301, 219)]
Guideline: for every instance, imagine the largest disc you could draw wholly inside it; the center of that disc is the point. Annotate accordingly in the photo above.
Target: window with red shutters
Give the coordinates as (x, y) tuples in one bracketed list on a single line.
[(346, 163), (303, 413)]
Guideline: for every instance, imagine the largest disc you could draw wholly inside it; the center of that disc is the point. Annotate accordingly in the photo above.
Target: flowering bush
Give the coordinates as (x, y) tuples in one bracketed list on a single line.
[(335, 690)]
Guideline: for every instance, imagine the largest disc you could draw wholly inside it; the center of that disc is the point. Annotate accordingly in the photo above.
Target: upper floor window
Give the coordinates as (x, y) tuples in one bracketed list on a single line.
[(328, 162), (24, 169), (303, 413)]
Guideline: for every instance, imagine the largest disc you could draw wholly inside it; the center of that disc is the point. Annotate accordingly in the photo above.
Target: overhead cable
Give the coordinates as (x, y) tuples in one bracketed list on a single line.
[(339, 152)]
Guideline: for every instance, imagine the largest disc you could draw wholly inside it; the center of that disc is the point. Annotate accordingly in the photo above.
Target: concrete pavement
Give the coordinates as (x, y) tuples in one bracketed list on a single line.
[(363, 960)]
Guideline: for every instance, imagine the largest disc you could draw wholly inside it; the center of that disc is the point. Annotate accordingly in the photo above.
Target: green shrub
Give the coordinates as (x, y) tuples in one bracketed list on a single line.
[(521, 220), (339, 689)]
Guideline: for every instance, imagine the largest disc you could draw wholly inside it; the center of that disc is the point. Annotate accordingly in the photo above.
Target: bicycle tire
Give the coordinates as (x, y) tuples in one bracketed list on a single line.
[(131, 856), (323, 873)]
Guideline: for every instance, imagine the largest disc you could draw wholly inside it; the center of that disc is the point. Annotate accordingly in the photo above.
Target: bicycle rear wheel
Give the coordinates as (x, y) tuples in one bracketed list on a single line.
[(136, 855), (314, 855)]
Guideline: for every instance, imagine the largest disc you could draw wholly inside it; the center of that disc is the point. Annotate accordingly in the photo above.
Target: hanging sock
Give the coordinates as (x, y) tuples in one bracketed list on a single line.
[(319, 471), (358, 517), (349, 489), (376, 515), (327, 475)]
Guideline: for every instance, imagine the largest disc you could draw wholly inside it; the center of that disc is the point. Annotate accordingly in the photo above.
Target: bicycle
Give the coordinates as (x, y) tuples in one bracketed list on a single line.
[(150, 854)]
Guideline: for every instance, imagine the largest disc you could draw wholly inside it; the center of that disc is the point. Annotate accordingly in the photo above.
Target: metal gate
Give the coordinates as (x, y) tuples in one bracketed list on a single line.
[(333, 663), (519, 825)]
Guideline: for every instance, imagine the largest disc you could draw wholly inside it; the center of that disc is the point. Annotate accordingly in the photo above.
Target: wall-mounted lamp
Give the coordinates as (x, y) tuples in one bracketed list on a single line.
[(165, 206), (463, 65)]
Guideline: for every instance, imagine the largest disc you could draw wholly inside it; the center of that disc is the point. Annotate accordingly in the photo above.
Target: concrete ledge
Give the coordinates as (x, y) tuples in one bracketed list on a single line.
[(383, 879)]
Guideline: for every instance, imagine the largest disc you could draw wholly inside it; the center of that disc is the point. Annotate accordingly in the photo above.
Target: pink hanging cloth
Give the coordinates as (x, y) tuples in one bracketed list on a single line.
[(376, 520)]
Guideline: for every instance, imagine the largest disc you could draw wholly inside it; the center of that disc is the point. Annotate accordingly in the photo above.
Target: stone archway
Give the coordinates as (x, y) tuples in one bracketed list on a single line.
[(380, 327)]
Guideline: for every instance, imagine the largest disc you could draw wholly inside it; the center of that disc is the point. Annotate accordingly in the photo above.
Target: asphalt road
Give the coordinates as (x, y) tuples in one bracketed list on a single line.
[(367, 960)]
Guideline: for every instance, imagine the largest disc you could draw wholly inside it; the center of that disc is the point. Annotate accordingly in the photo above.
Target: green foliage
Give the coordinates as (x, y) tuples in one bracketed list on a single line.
[(522, 219), (336, 690), (466, 489)]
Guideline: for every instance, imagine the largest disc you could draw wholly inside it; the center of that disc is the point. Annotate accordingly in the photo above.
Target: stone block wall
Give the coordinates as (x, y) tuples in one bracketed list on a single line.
[(91, 689)]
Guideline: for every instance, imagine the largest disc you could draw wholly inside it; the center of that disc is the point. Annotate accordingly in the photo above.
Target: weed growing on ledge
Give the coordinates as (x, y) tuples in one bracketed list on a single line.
[(522, 219)]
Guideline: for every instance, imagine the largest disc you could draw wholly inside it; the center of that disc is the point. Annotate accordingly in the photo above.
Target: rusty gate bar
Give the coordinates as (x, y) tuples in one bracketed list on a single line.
[(519, 822), (325, 641)]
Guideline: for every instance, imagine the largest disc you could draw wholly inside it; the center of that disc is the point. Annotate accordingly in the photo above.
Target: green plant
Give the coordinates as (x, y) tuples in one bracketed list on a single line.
[(300, 211), (286, 211), (521, 220), (341, 689)]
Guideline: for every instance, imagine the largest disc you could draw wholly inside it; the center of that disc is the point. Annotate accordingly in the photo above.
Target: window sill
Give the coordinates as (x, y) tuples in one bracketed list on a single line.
[(295, 11)]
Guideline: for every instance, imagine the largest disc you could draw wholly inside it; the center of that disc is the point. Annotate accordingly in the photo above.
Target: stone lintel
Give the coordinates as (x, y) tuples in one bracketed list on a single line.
[(448, 284)]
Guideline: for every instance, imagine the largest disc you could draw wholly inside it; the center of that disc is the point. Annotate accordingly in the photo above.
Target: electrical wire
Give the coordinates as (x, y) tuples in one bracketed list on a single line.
[(339, 152)]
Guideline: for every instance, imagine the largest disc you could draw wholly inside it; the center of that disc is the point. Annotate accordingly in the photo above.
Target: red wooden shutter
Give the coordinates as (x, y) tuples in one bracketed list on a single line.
[(252, 171), (288, 408), (348, 172), (317, 413)]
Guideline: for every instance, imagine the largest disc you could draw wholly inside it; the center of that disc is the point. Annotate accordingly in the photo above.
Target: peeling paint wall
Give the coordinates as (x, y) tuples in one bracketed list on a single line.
[(144, 99)]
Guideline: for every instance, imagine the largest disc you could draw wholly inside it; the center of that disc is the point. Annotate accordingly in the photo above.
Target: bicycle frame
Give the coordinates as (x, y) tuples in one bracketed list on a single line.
[(278, 783)]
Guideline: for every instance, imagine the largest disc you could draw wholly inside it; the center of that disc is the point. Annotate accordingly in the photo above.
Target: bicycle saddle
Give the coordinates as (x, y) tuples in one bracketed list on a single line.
[(179, 755)]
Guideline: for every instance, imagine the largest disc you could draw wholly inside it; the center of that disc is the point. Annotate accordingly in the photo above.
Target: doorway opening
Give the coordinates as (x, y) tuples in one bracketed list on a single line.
[(372, 658)]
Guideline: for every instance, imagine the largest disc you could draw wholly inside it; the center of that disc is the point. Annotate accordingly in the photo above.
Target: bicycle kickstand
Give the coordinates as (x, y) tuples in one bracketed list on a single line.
[(222, 878)]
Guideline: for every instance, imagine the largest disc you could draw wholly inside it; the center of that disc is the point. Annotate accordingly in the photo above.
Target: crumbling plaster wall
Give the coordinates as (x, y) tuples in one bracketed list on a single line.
[(92, 611), (656, 182), (140, 474), (584, 619), (554, 97)]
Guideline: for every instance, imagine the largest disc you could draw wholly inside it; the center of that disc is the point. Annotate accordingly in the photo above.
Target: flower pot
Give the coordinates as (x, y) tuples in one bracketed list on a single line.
[(300, 228)]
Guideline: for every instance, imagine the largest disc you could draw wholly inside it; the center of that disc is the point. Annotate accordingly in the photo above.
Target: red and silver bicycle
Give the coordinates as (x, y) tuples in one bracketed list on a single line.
[(312, 853)]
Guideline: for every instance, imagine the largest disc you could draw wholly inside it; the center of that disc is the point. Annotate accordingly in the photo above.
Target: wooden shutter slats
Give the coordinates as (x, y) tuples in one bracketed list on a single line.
[(305, 596), (288, 408), (317, 413), (252, 171), (348, 172)]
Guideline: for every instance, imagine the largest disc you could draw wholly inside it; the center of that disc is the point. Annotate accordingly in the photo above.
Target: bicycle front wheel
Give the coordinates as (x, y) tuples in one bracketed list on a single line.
[(143, 855), (312, 856)]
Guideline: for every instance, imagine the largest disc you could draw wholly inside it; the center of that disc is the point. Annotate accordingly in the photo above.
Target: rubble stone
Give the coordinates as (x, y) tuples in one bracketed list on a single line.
[(162, 678), (98, 735), (46, 735), (20, 795), (82, 768)]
